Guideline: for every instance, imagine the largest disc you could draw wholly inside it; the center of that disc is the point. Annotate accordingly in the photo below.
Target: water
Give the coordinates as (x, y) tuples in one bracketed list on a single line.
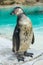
[(8, 22)]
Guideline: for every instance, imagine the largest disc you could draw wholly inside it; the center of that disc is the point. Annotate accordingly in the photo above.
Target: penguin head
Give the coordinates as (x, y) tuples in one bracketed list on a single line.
[(17, 11)]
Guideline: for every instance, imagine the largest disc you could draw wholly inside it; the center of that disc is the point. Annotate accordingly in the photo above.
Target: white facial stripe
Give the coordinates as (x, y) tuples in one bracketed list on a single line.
[(19, 11)]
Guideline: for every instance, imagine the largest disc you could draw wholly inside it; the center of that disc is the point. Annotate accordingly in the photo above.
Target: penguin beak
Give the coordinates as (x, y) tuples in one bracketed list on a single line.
[(12, 13)]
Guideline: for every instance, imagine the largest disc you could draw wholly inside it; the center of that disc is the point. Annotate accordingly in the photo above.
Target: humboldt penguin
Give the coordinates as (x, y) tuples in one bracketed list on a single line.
[(23, 35)]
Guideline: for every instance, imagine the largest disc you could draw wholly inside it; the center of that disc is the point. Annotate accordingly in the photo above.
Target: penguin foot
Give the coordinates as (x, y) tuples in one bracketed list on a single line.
[(28, 54), (13, 50), (20, 58)]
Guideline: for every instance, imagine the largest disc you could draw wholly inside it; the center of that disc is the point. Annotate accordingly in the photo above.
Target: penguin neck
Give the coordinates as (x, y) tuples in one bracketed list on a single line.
[(19, 17)]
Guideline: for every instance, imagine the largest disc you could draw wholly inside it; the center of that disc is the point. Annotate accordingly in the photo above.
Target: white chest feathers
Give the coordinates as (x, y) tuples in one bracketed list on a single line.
[(25, 33)]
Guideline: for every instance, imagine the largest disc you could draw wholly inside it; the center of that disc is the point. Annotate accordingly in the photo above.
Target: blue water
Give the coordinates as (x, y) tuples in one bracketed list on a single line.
[(36, 18), (8, 22)]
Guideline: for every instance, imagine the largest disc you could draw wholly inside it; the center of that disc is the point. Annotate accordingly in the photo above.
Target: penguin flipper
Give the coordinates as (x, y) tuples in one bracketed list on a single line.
[(16, 42), (14, 39), (17, 39), (32, 39)]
